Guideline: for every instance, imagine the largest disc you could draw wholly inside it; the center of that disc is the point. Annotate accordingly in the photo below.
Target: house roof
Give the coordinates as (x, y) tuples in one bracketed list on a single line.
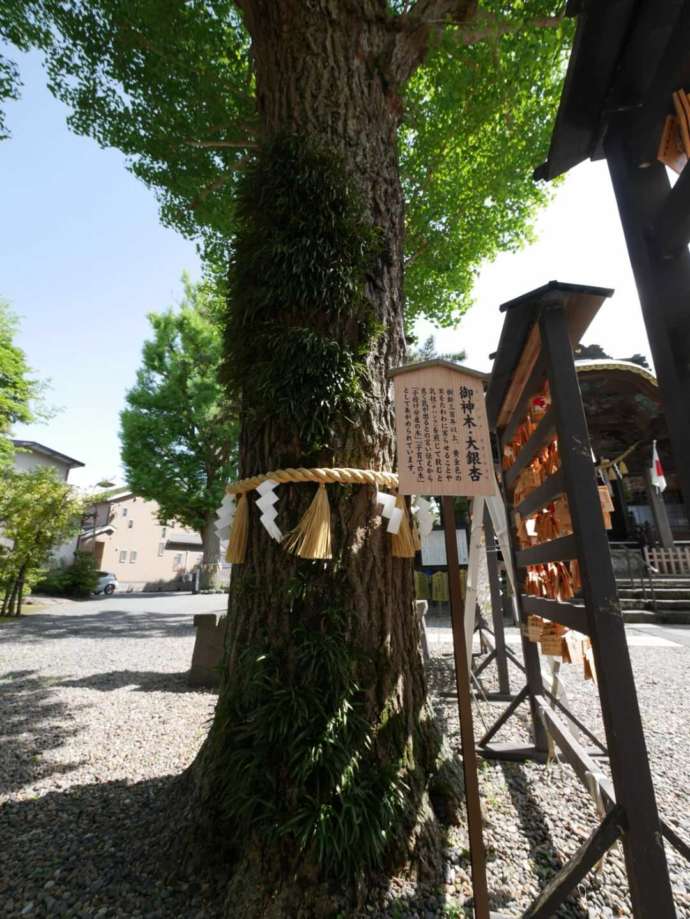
[(114, 494), (593, 364), (35, 447), (438, 362), (623, 407)]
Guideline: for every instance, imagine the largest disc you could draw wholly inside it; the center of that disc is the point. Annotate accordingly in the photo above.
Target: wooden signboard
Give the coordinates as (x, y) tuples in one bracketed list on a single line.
[(444, 449), (443, 433)]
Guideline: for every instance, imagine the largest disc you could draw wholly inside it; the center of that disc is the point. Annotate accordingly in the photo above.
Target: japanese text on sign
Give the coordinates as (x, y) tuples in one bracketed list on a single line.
[(443, 433)]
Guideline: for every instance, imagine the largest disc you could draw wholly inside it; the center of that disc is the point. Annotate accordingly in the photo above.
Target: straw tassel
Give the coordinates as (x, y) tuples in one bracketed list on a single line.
[(416, 536), (403, 542), (311, 538), (237, 544)]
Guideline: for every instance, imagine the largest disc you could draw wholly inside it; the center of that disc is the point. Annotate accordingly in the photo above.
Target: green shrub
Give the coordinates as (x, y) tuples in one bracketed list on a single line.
[(76, 580)]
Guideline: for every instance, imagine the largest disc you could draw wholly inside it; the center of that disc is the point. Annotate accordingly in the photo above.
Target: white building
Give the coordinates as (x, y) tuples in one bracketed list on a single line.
[(30, 455)]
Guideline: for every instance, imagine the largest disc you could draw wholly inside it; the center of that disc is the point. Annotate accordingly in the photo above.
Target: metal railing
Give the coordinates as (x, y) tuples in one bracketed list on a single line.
[(638, 568)]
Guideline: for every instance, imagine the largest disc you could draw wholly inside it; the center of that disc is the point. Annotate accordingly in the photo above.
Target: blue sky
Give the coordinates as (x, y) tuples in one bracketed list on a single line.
[(83, 259)]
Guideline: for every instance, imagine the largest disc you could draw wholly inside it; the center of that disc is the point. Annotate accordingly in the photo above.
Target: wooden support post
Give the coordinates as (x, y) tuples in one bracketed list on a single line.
[(659, 512), (586, 857), (650, 888), (496, 605), (462, 682), (663, 283), (530, 652)]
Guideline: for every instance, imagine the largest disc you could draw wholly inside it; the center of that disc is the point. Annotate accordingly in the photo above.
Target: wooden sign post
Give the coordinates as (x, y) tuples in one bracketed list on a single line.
[(444, 449)]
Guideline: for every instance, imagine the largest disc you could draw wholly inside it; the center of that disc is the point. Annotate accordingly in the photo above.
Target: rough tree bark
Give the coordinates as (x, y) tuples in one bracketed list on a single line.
[(211, 552), (329, 71)]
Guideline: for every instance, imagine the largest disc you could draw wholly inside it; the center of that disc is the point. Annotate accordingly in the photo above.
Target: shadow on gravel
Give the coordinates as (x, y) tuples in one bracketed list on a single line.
[(543, 853), (138, 681), (98, 850), (32, 724), (105, 624)]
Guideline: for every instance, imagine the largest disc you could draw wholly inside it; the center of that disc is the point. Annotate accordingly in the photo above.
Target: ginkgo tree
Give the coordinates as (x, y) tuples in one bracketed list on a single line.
[(347, 165), (176, 412), (18, 389)]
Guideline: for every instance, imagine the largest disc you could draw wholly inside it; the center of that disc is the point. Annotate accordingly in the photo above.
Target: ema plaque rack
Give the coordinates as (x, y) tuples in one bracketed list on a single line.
[(534, 359)]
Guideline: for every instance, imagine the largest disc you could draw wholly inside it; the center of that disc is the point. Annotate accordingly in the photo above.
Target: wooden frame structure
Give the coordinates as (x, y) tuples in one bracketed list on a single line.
[(628, 58), (536, 345)]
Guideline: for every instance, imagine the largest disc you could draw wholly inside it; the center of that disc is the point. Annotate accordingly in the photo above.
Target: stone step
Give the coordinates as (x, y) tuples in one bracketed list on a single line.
[(665, 617), (638, 603), (661, 593)]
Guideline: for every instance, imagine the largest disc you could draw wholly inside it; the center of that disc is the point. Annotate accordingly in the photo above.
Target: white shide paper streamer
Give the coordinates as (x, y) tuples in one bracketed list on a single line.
[(224, 517), (392, 513), (266, 504)]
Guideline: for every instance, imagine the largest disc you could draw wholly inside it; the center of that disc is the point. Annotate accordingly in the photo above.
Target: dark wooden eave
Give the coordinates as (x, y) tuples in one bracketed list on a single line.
[(627, 55), (581, 303)]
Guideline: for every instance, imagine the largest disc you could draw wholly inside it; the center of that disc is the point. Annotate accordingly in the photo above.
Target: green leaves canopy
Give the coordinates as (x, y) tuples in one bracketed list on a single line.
[(17, 389), (179, 437), (37, 513), (171, 86)]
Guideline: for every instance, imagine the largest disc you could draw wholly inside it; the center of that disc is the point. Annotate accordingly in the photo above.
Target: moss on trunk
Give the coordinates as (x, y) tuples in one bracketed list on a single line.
[(319, 770)]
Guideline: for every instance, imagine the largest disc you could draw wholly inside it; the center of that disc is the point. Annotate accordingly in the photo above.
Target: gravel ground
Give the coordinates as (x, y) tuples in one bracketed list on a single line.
[(536, 816), (97, 720)]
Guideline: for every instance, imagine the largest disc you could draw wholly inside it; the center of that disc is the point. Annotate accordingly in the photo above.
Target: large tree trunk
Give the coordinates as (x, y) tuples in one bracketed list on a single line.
[(210, 560), (319, 76)]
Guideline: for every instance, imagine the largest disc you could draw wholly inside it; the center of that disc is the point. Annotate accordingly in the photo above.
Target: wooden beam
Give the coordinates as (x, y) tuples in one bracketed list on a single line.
[(539, 437), (680, 845), (485, 663), (496, 604), (645, 123), (503, 717), (533, 385), (530, 654), (580, 760), (567, 614), (556, 550), (562, 884), (544, 494), (576, 721), (650, 888), (671, 231), (462, 683), (663, 284), (521, 376)]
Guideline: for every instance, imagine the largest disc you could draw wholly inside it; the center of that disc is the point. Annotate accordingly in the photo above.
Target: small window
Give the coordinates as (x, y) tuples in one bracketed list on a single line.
[(177, 561), (123, 557), (161, 548), (124, 511), (130, 524), (163, 532), (132, 557)]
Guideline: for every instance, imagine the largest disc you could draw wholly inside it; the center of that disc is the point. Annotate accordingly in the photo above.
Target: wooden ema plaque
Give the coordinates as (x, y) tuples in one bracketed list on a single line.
[(442, 431)]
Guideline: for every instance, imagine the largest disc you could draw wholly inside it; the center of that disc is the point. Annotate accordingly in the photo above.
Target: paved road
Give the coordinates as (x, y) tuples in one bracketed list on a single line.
[(170, 614), (641, 635)]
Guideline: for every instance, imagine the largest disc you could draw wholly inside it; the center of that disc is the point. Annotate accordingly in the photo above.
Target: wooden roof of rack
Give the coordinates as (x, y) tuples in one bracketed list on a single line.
[(519, 345)]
